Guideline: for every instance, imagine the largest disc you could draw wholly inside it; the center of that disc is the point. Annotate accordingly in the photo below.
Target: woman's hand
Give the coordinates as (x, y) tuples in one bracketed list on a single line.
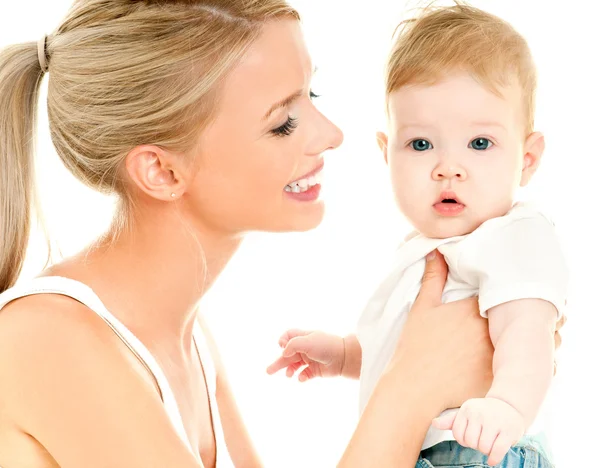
[(446, 343), (451, 339), (443, 357)]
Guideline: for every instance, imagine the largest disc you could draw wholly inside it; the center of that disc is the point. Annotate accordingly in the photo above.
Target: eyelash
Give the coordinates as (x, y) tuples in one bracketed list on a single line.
[(291, 123), (287, 128)]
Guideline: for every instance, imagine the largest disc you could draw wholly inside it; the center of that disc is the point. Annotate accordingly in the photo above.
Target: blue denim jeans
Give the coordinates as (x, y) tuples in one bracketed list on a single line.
[(451, 454)]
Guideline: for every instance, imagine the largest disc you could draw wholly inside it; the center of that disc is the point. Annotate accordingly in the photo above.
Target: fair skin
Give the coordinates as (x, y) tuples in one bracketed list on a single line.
[(457, 139), (99, 406)]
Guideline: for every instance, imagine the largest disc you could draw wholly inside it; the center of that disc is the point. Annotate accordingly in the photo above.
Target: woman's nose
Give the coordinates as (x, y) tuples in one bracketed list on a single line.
[(330, 136)]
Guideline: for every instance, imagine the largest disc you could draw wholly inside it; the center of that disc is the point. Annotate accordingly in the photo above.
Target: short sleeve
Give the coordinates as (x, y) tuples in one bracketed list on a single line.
[(520, 259)]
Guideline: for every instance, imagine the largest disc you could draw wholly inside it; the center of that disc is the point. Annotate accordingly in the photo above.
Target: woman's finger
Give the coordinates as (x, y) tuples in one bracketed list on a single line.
[(434, 280)]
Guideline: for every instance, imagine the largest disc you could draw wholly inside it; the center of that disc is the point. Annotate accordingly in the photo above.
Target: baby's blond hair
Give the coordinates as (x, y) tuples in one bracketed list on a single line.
[(447, 39)]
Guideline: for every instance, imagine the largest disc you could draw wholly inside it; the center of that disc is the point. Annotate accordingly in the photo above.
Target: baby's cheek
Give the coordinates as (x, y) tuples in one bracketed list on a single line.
[(407, 183)]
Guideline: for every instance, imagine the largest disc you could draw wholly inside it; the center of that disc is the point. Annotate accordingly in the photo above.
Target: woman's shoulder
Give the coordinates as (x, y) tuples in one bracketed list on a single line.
[(51, 331), (53, 334), (40, 330), (61, 366), (35, 322)]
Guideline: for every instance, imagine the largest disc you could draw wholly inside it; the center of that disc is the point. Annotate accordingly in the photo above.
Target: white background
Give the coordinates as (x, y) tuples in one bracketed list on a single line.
[(321, 279)]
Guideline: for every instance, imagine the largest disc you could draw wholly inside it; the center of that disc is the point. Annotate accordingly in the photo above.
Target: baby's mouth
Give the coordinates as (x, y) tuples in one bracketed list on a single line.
[(448, 197)]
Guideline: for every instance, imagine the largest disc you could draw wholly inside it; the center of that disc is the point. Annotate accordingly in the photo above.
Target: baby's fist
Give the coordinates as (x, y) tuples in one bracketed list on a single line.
[(489, 425)]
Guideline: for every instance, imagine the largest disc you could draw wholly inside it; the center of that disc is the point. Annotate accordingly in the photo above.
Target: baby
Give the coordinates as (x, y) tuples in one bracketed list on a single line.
[(460, 99)]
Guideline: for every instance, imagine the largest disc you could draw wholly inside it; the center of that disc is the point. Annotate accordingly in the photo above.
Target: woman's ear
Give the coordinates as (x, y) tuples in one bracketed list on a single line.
[(382, 142), (153, 171), (532, 156)]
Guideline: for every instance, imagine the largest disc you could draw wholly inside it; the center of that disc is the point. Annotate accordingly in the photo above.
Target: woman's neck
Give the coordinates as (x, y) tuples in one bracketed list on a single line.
[(152, 275)]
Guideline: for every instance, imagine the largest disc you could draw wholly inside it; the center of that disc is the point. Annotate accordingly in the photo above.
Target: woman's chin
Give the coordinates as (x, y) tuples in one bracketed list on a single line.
[(301, 219)]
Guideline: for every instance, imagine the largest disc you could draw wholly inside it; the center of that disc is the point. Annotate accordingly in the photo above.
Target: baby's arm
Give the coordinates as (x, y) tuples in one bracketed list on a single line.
[(522, 333), (522, 278)]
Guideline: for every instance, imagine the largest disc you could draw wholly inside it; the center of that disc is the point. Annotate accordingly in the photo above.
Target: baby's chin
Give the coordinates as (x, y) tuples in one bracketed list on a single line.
[(445, 228)]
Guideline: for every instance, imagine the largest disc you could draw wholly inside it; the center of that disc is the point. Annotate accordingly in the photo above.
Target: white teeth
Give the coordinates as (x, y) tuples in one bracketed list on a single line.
[(303, 185)]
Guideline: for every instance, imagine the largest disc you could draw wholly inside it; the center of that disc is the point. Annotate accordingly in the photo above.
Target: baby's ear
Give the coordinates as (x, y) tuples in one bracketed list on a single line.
[(382, 142), (532, 156)]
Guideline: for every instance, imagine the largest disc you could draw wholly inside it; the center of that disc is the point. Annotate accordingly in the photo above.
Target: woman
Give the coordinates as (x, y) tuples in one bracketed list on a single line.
[(198, 116)]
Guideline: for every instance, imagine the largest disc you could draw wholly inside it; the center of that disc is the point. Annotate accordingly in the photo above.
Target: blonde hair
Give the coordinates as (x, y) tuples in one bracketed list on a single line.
[(122, 73), (446, 39)]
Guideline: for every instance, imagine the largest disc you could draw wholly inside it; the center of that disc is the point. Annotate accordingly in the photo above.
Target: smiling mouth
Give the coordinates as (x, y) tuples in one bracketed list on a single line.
[(303, 185)]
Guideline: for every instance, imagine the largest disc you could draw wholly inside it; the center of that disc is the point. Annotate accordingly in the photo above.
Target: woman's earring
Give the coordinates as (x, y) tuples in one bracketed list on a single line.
[(173, 195)]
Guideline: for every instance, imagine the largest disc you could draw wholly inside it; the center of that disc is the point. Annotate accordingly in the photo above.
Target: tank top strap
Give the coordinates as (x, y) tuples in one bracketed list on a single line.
[(210, 374)]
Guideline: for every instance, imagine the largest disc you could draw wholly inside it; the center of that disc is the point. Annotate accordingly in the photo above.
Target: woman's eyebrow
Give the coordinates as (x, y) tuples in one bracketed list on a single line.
[(288, 100), (283, 103)]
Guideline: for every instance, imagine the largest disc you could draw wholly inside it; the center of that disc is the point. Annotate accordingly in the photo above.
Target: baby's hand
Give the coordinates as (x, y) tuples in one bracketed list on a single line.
[(321, 353), (489, 425)]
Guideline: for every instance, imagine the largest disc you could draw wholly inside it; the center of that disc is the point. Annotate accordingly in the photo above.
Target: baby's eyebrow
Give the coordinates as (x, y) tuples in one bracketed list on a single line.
[(404, 126), (488, 123)]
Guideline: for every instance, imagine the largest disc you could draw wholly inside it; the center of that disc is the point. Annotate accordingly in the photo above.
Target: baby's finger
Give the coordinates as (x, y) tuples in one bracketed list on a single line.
[(499, 449), (306, 374), (487, 439), (445, 421), (472, 433), (282, 363), (298, 344), (459, 428), (292, 368), (289, 334)]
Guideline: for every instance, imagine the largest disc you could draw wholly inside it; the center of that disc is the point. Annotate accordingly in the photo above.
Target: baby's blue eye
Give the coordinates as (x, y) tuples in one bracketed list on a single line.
[(480, 144), (421, 145)]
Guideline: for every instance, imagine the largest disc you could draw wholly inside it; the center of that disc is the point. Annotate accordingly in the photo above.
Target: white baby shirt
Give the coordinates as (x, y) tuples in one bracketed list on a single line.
[(516, 256)]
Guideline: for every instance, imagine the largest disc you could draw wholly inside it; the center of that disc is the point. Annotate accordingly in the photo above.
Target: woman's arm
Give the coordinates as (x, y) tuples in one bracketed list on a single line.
[(68, 382), (443, 357)]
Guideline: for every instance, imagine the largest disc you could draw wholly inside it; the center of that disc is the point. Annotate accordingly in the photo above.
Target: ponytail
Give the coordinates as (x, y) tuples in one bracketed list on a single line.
[(20, 78)]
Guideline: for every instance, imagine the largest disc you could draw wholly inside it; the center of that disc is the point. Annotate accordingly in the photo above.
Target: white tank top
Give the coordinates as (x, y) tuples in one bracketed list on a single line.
[(84, 294)]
